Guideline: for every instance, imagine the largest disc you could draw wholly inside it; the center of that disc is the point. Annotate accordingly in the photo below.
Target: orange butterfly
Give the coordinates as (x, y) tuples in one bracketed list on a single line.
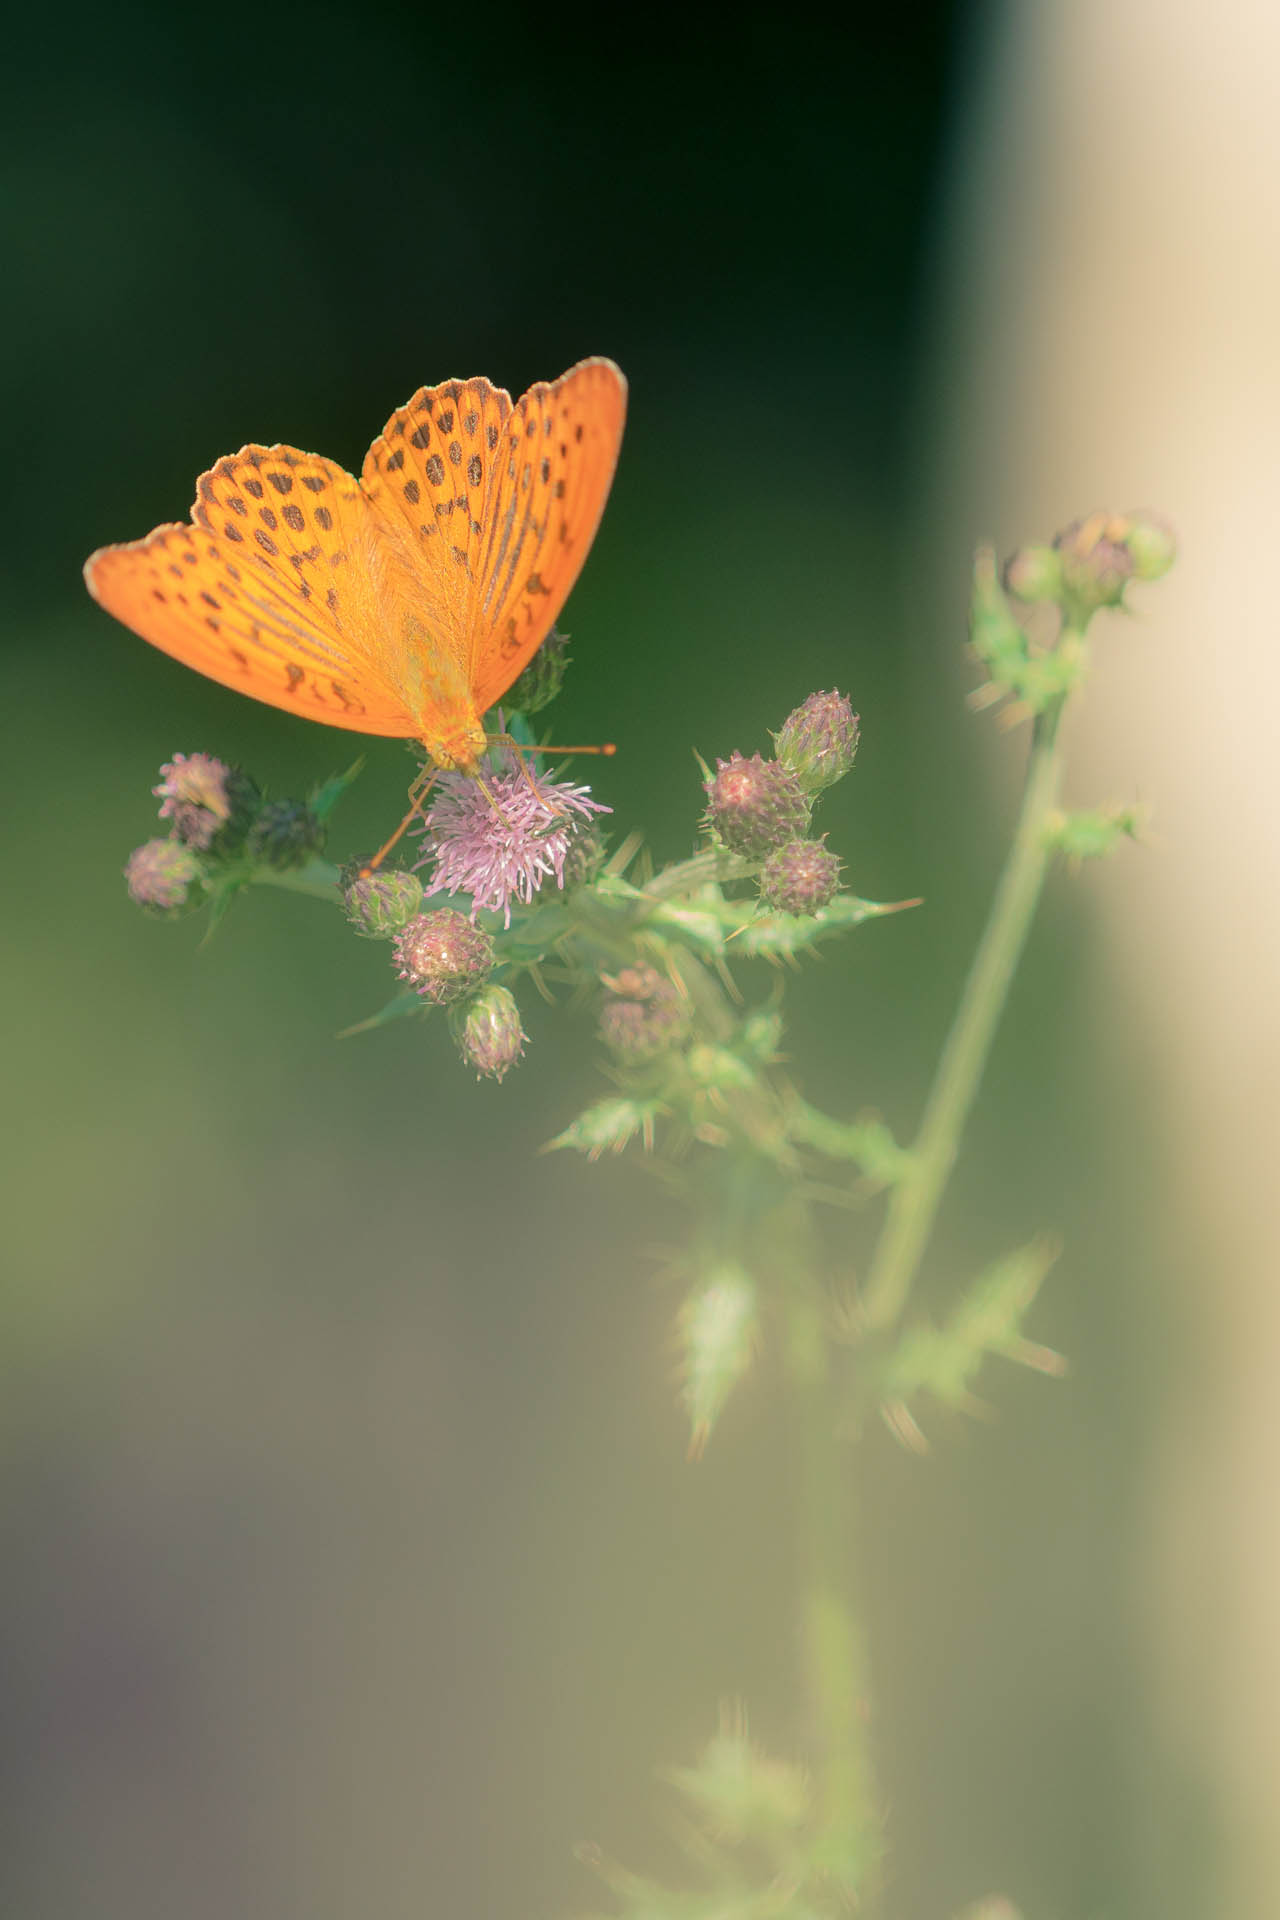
[(407, 601)]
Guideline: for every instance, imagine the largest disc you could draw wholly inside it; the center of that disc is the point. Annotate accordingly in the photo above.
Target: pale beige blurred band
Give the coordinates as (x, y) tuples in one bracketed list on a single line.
[(1112, 338)]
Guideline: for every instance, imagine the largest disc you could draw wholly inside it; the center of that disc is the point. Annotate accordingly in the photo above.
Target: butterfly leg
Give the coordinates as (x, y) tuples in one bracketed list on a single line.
[(417, 794)]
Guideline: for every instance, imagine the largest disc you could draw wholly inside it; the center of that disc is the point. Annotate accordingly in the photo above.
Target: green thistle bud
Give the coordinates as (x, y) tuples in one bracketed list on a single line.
[(1034, 574), (802, 877), (488, 1032), (380, 904), (819, 740), (285, 834), (584, 858), (164, 877), (755, 805), (543, 678), (761, 1034), (1152, 545), (442, 955), (643, 1015), (1096, 565)]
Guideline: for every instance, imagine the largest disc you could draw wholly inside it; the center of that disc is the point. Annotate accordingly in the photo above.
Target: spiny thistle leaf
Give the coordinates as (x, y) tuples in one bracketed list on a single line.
[(782, 935), (718, 1332), (737, 1793), (867, 1142), (608, 1127), (944, 1361), (1091, 835)]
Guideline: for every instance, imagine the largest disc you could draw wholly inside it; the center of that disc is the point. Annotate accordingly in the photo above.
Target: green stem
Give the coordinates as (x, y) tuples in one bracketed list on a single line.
[(713, 863), (318, 878), (915, 1201)]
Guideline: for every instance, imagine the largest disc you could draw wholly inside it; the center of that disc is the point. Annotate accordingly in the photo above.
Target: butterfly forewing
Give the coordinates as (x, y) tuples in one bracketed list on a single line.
[(501, 504), (561, 448), (269, 589)]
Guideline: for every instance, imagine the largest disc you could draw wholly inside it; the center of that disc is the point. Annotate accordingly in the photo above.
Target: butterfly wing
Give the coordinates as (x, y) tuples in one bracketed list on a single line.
[(271, 590), (500, 504)]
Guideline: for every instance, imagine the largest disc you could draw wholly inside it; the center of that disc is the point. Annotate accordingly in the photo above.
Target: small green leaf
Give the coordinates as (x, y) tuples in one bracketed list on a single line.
[(997, 637), (397, 1009), (326, 796)]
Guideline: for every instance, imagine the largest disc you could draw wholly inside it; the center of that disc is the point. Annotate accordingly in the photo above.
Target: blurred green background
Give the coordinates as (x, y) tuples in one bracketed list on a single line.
[(353, 1565)]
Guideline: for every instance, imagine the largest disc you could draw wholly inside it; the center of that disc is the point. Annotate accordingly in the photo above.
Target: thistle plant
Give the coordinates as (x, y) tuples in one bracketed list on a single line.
[(512, 881)]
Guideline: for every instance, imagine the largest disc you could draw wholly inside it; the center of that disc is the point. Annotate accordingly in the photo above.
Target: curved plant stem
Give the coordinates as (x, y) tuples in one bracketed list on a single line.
[(915, 1201)]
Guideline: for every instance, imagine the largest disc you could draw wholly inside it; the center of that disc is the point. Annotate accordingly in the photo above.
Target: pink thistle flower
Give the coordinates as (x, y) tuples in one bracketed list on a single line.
[(500, 837), (161, 876), (203, 798)]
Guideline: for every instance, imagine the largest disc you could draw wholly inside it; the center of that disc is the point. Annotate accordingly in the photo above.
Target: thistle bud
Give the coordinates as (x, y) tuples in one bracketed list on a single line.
[(1096, 565), (380, 904), (755, 805), (285, 834), (442, 955), (819, 740), (1152, 545), (1034, 574), (583, 858), (543, 678), (161, 876), (208, 804), (801, 877), (488, 1032), (643, 1015)]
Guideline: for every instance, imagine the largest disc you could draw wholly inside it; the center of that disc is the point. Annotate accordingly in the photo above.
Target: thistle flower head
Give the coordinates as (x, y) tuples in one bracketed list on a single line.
[(160, 876), (380, 904), (801, 877), (442, 955), (204, 799), (488, 1031), (755, 805), (500, 836), (285, 834), (818, 740)]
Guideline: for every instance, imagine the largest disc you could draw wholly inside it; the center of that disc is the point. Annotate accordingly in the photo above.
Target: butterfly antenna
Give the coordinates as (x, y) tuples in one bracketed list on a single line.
[(417, 794), (607, 748)]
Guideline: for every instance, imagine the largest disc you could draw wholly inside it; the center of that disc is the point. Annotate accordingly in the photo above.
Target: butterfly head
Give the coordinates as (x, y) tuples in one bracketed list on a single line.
[(460, 748)]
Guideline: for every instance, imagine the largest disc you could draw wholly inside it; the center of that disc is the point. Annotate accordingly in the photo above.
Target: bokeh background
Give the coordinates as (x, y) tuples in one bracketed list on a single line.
[(352, 1562)]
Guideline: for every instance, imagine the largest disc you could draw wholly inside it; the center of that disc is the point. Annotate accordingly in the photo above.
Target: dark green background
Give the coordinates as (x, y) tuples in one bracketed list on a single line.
[(353, 1565)]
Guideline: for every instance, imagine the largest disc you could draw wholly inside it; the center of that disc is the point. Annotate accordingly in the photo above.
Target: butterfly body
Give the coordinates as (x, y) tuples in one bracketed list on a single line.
[(404, 602)]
